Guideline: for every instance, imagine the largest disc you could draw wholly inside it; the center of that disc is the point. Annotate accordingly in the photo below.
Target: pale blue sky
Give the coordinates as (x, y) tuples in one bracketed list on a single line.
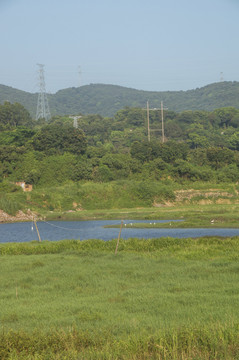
[(149, 45)]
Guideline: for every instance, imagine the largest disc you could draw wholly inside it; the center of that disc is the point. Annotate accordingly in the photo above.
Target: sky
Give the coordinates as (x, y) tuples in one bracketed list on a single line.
[(149, 45)]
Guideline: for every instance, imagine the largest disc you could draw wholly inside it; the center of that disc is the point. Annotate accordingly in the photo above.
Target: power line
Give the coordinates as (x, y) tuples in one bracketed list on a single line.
[(60, 227)]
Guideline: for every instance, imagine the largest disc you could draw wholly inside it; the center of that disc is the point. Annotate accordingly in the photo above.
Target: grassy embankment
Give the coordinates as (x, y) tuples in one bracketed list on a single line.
[(156, 299), (197, 203)]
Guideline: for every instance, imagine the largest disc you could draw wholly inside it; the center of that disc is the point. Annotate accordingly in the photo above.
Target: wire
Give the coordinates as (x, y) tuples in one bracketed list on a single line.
[(59, 227)]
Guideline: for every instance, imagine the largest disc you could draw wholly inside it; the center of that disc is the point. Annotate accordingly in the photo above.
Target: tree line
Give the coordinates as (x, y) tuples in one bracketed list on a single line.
[(200, 145)]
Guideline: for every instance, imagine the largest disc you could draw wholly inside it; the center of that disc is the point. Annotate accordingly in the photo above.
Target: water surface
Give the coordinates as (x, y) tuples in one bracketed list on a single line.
[(59, 230)]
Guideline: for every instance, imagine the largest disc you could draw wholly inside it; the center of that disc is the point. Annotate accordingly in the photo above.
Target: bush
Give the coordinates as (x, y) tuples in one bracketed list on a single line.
[(8, 205), (229, 173)]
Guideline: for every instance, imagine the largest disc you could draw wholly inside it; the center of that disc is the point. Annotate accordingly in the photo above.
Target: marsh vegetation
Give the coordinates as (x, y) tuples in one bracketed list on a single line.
[(157, 299)]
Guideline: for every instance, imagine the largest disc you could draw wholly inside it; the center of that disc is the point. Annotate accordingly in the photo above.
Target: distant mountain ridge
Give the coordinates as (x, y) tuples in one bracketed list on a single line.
[(106, 100)]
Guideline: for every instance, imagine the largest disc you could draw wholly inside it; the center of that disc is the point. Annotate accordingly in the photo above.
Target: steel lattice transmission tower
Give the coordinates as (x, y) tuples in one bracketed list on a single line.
[(43, 111)]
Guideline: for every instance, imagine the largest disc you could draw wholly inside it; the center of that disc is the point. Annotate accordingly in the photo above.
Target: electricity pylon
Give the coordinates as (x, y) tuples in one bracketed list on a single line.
[(43, 111), (75, 120)]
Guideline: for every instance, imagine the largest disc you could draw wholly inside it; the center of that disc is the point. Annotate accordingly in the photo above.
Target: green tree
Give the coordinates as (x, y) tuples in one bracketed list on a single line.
[(172, 150), (119, 164), (228, 173), (103, 174), (196, 140), (95, 126), (9, 157), (185, 170), (57, 169), (224, 116), (131, 117), (14, 115), (60, 139), (28, 168), (82, 170), (141, 151), (173, 130), (219, 158), (18, 137), (234, 141)]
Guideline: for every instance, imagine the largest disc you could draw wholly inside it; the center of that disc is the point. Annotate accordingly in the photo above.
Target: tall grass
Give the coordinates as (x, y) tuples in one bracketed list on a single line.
[(218, 342), (157, 299), (123, 194), (197, 248), (10, 204)]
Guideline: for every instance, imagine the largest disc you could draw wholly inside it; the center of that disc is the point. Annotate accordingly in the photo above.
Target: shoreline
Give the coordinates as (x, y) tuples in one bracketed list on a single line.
[(190, 216)]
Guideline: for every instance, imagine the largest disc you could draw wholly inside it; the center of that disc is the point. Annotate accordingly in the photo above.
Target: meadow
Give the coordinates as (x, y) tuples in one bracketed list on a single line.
[(156, 299)]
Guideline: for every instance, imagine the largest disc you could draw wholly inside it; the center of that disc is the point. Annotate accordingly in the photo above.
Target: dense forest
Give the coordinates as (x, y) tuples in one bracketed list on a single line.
[(199, 145), (106, 100)]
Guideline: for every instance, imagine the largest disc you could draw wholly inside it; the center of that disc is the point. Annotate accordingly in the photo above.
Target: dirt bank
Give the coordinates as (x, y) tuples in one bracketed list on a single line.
[(20, 216)]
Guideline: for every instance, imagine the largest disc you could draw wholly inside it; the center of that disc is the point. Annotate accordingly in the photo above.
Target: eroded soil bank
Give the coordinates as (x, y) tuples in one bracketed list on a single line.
[(19, 217)]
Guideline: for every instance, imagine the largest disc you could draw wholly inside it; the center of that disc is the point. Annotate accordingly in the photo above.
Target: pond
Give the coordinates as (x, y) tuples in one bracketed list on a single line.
[(59, 230)]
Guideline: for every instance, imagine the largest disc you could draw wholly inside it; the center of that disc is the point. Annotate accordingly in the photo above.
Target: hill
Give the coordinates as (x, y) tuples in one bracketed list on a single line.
[(106, 100), (28, 100)]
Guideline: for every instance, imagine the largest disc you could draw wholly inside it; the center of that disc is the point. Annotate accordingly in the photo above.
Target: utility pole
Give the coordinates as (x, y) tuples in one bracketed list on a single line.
[(148, 121), (162, 122), (43, 111)]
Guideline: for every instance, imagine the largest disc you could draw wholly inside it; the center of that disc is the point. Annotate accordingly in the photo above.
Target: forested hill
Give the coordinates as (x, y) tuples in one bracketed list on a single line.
[(28, 100), (106, 100)]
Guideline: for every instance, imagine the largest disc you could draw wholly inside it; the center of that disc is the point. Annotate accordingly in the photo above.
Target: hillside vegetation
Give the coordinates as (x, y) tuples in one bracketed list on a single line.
[(106, 100), (109, 163)]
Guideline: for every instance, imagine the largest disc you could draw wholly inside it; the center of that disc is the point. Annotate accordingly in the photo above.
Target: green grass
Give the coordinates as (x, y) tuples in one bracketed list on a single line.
[(106, 198), (156, 299), (193, 215)]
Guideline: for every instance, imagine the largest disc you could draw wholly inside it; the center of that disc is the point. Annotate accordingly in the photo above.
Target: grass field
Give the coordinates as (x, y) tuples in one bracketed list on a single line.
[(156, 299), (193, 215)]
